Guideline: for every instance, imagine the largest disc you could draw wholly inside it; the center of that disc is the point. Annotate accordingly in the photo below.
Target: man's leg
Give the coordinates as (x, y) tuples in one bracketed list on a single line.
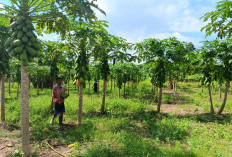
[(54, 116), (61, 119)]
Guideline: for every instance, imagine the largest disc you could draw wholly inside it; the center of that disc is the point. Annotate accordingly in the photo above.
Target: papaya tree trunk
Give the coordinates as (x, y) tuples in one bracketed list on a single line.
[(128, 88), (160, 100), (80, 104), (17, 90), (225, 98), (42, 85), (111, 86), (176, 87), (155, 94), (114, 83), (37, 88), (3, 98), (118, 92), (210, 100), (173, 85), (124, 92), (9, 89), (220, 90), (25, 111), (132, 87), (104, 96), (89, 86), (98, 87)]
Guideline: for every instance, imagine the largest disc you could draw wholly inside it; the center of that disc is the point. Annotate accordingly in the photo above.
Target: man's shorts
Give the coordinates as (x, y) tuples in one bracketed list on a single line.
[(59, 108)]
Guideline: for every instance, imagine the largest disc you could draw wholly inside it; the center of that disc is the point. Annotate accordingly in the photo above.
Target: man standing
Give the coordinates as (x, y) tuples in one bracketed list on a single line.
[(58, 89)]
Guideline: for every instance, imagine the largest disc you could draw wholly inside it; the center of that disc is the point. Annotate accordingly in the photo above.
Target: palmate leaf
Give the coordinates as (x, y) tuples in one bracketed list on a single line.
[(219, 20)]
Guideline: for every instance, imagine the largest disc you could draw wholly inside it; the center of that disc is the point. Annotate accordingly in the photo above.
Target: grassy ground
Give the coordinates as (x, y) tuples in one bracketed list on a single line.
[(131, 126)]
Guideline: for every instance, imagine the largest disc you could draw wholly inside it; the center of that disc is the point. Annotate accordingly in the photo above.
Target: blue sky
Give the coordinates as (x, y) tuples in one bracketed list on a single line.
[(137, 20)]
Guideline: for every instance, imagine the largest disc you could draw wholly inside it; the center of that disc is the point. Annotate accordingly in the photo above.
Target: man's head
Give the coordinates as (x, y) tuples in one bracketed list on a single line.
[(59, 80)]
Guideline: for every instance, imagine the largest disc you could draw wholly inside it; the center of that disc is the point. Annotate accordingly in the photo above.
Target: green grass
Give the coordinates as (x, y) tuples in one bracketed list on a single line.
[(130, 127)]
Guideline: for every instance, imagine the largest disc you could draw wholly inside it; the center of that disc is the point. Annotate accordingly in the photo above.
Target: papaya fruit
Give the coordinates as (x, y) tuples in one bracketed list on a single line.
[(17, 42), (81, 80), (24, 29), (30, 51), (29, 34), (19, 49), (24, 39), (20, 35)]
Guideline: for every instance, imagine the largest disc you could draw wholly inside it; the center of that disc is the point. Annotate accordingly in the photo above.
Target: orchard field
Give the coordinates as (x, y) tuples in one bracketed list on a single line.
[(153, 97), (130, 127)]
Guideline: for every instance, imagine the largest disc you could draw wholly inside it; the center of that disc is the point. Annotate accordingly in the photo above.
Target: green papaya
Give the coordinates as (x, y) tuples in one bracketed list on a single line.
[(36, 46), (24, 39), (33, 39), (20, 35), (15, 34), (29, 26), (24, 29), (8, 42), (29, 43), (19, 21), (31, 51), (81, 80), (19, 49), (12, 53), (28, 21), (19, 27), (29, 34), (17, 42), (10, 48)]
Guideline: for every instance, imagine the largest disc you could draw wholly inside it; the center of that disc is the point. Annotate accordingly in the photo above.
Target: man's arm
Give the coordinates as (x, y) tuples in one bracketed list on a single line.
[(54, 95)]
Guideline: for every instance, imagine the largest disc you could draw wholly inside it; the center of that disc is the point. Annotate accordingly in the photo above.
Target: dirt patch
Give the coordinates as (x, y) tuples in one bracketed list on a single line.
[(7, 147), (175, 109)]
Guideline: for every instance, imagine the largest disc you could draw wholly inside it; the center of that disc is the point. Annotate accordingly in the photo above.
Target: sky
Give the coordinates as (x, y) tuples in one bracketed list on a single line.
[(136, 20)]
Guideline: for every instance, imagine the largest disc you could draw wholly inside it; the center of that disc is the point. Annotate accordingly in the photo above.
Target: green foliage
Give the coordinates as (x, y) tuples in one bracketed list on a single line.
[(4, 57), (219, 21)]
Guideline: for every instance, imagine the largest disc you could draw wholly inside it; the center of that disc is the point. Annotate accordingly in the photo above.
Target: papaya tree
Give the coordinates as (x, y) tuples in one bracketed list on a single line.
[(101, 51), (4, 63), (118, 71), (208, 52), (82, 40), (152, 51), (48, 16), (224, 56)]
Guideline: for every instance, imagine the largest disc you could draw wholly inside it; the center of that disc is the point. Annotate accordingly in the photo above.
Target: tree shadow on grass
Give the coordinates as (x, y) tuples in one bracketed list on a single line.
[(207, 117), (148, 124), (132, 145)]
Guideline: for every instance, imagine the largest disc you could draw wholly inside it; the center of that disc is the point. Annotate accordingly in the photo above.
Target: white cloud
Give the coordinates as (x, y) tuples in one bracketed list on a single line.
[(186, 24), (106, 6), (1, 6)]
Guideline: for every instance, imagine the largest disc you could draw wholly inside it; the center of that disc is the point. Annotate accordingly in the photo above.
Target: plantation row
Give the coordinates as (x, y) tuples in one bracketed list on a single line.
[(87, 51)]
